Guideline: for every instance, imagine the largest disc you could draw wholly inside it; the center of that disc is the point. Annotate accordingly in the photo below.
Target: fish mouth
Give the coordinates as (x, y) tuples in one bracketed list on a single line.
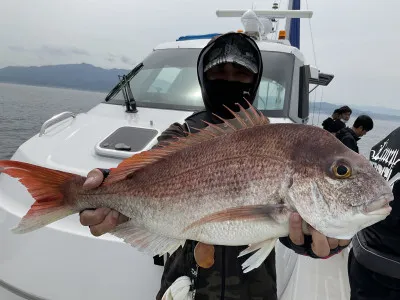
[(380, 206)]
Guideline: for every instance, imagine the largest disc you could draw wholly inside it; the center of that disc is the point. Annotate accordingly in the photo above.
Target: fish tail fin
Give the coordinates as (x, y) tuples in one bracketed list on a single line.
[(48, 187)]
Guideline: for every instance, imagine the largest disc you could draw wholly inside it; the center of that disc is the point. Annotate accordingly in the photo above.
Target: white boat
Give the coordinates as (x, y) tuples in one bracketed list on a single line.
[(63, 261)]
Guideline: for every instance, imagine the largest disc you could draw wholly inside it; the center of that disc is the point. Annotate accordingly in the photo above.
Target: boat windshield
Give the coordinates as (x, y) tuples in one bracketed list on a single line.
[(168, 80)]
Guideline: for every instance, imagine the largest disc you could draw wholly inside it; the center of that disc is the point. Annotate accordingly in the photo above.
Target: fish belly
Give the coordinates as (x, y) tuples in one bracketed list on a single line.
[(236, 233)]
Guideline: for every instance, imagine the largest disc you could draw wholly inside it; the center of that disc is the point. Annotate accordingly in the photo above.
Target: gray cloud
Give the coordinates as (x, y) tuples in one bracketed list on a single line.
[(17, 48), (79, 51), (55, 51), (113, 58), (126, 60)]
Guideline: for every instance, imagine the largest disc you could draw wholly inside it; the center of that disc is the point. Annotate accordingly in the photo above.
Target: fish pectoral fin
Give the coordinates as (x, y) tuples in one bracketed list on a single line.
[(256, 259), (146, 241), (252, 248), (248, 212)]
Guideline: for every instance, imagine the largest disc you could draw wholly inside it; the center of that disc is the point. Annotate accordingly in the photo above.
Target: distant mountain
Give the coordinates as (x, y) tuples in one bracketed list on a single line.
[(377, 109), (373, 111), (76, 76)]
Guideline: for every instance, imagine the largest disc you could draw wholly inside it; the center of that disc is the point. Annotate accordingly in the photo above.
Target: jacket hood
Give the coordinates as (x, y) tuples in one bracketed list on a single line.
[(244, 46)]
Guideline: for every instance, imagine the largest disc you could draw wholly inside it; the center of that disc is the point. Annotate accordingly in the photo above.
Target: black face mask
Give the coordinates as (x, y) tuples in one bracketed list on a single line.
[(220, 92)]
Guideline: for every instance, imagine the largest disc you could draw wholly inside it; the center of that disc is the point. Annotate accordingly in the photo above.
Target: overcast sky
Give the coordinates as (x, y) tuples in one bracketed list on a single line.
[(357, 40)]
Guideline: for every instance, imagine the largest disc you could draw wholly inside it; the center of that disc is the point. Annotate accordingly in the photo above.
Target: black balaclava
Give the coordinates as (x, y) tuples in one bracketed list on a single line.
[(235, 48)]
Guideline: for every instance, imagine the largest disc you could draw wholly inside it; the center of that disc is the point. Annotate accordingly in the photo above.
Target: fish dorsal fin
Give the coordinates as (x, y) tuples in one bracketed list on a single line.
[(130, 165)]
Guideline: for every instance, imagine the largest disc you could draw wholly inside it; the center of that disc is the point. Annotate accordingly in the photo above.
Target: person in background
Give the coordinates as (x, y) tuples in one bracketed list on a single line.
[(344, 116), (350, 136), (345, 113), (229, 68), (374, 260), (328, 122)]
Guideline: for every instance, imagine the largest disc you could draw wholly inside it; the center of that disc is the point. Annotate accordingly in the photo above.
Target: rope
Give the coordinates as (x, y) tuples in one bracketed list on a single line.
[(312, 38), (315, 100), (320, 102), (315, 62)]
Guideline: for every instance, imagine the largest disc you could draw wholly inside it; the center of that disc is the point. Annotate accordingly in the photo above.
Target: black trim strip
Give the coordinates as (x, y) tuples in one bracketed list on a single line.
[(18, 292), (376, 261)]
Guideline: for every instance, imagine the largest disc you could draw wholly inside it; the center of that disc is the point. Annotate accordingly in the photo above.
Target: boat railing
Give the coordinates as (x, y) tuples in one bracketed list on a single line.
[(55, 119)]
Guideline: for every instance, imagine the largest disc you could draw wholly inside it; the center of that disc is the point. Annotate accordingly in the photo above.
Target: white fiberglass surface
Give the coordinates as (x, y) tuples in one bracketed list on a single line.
[(55, 263)]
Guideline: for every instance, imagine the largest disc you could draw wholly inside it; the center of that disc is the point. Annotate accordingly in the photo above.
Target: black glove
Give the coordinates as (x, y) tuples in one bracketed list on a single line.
[(306, 249), (105, 172)]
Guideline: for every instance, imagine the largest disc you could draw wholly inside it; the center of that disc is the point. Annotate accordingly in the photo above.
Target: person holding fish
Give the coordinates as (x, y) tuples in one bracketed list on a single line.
[(229, 69), (216, 199)]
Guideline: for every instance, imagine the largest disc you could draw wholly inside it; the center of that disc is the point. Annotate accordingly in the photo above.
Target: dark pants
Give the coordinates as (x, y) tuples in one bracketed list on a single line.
[(368, 285)]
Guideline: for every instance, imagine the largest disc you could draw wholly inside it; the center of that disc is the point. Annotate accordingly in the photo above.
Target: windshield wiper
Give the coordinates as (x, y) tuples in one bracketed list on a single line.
[(130, 102), (124, 86)]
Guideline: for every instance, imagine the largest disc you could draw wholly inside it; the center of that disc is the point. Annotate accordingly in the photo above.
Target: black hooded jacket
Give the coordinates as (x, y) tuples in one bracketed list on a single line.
[(327, 124), (332, 126), (348, 137)]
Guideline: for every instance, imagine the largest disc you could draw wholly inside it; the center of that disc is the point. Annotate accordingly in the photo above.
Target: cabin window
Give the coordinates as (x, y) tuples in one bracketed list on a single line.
[(168, 80), (162, 83), (271, 95)]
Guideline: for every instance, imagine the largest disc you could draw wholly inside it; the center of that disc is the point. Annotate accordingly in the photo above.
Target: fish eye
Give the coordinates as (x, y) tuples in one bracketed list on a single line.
[(341, 171)]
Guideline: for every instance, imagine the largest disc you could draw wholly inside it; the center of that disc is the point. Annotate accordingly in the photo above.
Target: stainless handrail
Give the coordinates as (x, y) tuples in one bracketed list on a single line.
[(56, 119)]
